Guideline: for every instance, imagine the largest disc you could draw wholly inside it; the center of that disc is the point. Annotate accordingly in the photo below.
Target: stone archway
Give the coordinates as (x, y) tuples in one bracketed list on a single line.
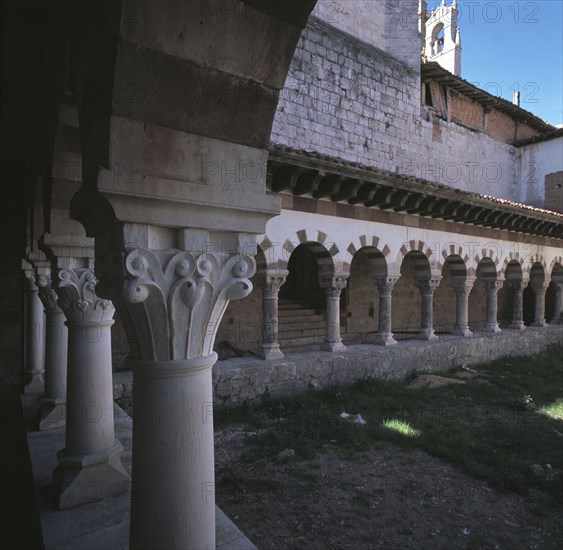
[(361, 298)]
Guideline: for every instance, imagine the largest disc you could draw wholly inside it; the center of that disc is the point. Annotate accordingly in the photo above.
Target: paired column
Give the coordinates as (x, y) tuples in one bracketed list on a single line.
[(272, 282), (427, 288), (333, 285), (558, 304), (517, 288), (492, 288), (34, 332), (462, 290), (90, 467), (539, 287), (52, 406), (384, 336)]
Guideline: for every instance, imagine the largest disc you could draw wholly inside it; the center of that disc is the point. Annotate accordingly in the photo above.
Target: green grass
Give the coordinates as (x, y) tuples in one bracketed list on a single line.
[(494, 427)]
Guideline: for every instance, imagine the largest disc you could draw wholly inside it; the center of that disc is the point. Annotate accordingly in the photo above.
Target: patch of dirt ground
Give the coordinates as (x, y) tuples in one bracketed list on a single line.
[(392, 498)]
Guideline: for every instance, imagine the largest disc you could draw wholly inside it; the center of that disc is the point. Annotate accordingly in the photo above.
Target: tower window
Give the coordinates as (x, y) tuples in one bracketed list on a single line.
[(438, 39)]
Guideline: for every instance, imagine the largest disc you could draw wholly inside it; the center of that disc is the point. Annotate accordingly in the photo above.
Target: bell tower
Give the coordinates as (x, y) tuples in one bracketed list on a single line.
[(440, 35)]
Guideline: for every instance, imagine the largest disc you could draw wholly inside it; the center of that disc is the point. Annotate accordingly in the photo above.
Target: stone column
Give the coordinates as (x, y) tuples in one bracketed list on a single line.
[(558, 304), (176, 300), (539, 288), (492, 288), (384, 336), (272, 282), (462, 290), (333, 285), (34, 333), (517, 288), (52, 406), (427, 288), (89, 466)]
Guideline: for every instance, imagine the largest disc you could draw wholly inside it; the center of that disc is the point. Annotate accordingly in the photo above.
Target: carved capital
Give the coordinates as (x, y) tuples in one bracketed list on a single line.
[(47, 293), (427, 286), (176, 299), (539, 287), (492, 287), (385, 285), (272, 281), (78, 300), (333, 284), (516, 286)]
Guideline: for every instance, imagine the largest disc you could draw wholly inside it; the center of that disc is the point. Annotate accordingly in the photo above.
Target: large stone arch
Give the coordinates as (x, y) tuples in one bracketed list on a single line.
[(324, 248)]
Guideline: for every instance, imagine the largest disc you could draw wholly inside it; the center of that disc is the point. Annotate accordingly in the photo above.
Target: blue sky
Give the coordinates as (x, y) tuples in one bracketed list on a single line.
[(515, 43)]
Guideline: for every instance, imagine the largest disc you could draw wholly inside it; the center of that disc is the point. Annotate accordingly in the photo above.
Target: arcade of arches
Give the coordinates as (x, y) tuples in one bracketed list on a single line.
[(314, 299)]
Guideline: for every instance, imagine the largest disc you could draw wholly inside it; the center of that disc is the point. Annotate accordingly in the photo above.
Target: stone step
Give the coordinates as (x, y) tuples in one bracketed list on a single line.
[(297, 342), (312, 318), (290, 332), (295, 312)]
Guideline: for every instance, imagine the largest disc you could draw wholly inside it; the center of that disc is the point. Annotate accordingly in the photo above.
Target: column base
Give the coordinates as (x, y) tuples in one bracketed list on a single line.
[(36, 384), (52, 413), (462, 331), (555, 321), (517, 326), (333, 346), (78, 480), (428, 334), (269, 352), (540, 323), (492, 329), (384, 339)]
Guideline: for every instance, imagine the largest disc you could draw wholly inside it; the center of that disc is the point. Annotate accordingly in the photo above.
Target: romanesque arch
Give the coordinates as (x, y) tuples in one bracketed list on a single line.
[(361, 298)]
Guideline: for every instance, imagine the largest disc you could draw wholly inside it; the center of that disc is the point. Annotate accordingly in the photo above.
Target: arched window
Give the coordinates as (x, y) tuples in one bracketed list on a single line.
[(438, 39)]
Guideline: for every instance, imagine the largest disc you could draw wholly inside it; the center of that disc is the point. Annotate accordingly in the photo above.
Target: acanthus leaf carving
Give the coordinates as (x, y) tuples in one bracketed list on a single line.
[(77, 297), (47, 294), (183, 298)]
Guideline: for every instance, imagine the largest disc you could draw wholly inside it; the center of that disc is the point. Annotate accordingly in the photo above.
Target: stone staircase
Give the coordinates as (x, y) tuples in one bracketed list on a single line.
[(299, 325)]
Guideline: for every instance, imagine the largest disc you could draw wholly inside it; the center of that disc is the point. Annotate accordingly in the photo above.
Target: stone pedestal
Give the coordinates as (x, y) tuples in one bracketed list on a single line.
[(52, 411), (492, 288), (384, 336), (539, 288), (462, 290), (333, 285), (89, 465), (558, 306), (517, 288), (272, 282), (34, 333), (427, 288)]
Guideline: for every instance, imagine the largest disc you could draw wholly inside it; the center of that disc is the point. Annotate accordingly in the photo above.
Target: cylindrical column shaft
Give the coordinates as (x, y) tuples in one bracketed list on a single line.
[(517, 310), (492, 288), (89, 466), (270, 348), (385, 286), (539, 288), (52, 411), (333, 286), (427, 288), (462, 291), (34, 337), (558, 304), (173, 490)]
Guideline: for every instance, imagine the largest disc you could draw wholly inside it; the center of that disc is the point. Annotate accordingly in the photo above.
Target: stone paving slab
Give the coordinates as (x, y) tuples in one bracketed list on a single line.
[(103, 524)]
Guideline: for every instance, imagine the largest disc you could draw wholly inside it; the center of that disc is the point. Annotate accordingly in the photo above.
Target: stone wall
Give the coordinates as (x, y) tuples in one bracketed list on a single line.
[(247, 379), (349, 99), (242, 380)]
